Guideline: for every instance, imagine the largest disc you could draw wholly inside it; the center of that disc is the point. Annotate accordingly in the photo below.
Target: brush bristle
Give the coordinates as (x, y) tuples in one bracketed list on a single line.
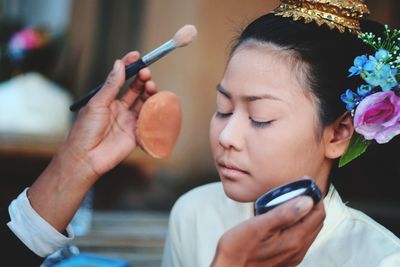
[(185, 35)]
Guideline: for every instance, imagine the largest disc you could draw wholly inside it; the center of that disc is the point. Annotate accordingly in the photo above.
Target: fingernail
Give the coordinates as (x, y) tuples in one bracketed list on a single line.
[(117, 65), (304, 205)]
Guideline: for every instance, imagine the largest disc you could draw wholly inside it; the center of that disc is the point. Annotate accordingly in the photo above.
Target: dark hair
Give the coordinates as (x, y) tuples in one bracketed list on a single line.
[(327, 53), (42, 59)]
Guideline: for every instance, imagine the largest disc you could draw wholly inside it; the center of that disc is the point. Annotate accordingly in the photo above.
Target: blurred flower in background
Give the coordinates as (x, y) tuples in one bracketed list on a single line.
[(31, 103), (24, 41)]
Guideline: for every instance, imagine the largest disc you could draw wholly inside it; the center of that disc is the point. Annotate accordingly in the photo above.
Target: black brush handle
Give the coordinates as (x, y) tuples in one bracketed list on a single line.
[(130, 70)]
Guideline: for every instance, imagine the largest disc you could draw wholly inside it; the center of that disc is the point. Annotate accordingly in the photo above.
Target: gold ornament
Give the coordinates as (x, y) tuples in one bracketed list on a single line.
[(339, 14)]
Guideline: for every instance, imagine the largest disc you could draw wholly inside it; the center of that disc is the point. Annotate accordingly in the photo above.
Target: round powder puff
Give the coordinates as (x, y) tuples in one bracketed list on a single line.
[(159, 124)]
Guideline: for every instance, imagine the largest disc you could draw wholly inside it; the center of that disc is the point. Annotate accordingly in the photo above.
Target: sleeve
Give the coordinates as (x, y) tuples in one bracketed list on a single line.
[(391, 261), (13, 250), (33, 231), (173, 243)]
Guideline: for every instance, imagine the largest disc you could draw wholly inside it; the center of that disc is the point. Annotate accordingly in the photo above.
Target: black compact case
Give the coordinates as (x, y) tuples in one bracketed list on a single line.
[(284, 193)]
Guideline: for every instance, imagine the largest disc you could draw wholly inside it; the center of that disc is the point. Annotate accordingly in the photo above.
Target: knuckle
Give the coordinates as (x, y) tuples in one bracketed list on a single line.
[(136, 85), (110, 80), (253, 229), (296, 243)]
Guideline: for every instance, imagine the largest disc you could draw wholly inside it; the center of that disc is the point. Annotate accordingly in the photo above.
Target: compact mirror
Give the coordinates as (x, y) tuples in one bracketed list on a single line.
[(286, 192)]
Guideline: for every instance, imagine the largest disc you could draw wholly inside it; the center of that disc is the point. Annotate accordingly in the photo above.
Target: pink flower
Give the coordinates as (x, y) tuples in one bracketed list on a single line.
[(378, 117), (26, 39)]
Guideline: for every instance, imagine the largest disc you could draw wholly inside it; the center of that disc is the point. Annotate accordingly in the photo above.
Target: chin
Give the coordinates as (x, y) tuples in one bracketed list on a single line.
[(238, 192)]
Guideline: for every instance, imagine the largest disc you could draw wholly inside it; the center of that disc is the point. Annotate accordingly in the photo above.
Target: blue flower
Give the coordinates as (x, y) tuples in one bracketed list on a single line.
[(350, 98), (358, 67), (364, 90), (377, 73), (381, 55)]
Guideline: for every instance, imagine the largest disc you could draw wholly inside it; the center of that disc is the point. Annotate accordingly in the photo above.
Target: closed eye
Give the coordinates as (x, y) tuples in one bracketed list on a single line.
[(260, 124), (222, 115)]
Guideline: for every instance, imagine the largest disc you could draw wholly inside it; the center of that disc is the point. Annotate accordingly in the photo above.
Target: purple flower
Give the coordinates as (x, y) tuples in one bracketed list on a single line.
[(378, 117)]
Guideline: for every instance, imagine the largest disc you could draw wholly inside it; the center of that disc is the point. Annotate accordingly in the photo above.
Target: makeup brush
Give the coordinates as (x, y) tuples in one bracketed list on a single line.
[(182, 37)]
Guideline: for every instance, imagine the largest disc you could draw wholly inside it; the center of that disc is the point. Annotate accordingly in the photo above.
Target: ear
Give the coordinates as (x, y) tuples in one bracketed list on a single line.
[(337, 136)]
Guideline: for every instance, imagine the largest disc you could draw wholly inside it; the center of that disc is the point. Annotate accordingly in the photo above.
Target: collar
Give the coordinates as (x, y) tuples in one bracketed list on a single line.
[(336, 212)]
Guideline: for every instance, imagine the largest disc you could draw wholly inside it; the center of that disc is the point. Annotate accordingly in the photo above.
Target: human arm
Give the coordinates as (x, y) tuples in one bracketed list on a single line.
[(280, 237), (101, 137)]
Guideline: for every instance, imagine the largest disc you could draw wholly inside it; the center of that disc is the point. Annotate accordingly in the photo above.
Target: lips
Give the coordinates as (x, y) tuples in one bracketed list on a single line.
[(231, 170)]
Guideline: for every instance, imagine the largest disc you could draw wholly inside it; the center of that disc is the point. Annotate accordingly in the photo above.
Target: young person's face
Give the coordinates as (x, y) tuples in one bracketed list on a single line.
[(265, 129)]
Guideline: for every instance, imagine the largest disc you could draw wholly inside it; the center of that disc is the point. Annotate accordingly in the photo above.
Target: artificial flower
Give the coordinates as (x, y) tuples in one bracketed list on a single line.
[(364, 90), (350, 98), (377, 73), (378, 117), (381, 55), (375, 106), (358, 67)]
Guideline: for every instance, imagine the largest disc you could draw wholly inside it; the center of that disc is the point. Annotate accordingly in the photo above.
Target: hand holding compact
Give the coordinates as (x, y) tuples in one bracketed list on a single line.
[(280, 237)]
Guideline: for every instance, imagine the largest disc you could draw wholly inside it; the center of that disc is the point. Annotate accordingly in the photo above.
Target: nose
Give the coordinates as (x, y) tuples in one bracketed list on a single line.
[(231, 136)]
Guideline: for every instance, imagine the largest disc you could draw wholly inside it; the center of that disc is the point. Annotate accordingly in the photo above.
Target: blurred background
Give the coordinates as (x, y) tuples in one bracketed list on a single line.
[(79, 41)]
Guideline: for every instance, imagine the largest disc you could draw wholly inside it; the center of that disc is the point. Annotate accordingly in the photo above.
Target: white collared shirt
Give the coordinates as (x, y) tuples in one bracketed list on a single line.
[(349, 238), (36, 233)]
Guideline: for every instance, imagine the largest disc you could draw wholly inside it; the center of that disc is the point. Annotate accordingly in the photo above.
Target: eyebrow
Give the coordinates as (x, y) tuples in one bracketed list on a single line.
[(246, 98)]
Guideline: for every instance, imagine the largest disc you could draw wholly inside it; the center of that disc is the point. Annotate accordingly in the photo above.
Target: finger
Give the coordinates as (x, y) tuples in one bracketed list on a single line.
[(312, 220), (131, 57), (150, 87), (291, 245), (287, 214), (145, 76), (111, 87), (136, 88), (302, 234), (149, 91), (306, 243), (309, 239)]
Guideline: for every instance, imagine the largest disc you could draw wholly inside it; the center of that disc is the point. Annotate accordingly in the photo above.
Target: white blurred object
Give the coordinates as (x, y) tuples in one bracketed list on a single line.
[(32, 104)]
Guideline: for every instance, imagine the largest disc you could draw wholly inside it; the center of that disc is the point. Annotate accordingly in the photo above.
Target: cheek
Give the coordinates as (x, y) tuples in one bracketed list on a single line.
[(215, 130), (283, 154)]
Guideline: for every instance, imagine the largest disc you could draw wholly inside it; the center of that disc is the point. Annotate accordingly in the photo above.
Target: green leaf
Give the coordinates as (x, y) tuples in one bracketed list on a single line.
[(358, 145)]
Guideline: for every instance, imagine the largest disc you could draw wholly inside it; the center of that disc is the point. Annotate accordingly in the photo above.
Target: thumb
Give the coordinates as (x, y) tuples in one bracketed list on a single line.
[(286, 214), (111, 87)]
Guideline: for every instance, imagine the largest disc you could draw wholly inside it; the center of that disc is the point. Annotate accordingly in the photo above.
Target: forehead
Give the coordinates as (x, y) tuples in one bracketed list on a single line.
[(263, 69)]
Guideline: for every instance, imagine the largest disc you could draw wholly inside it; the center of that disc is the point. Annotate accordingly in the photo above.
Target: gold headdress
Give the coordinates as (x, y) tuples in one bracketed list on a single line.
[(339, 14)]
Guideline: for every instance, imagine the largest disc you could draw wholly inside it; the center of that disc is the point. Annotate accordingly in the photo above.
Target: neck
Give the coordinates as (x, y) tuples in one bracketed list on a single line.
[(322, 177)]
